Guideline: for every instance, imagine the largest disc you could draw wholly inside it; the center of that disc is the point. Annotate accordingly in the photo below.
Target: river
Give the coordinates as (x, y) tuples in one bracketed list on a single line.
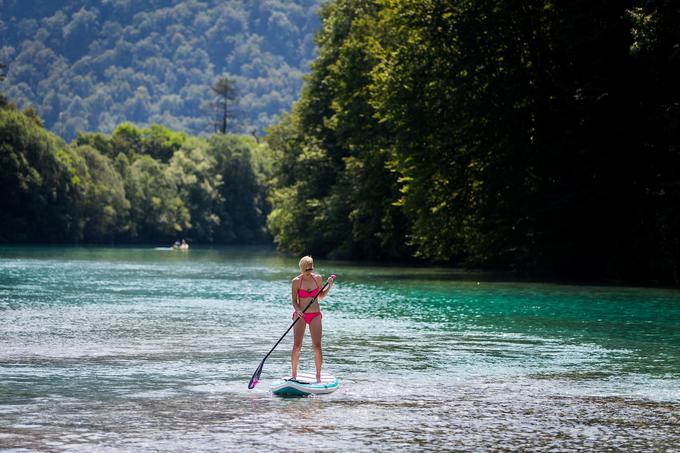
[(133, 349)]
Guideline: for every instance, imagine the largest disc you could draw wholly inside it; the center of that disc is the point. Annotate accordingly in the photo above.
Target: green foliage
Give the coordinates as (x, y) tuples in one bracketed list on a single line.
[(161, 143), (96, 140), (35, 203), (538, 135), (457, 106), (240, 209), (194, 169), (137, 185), (157, 212), (88, 66), (333, 191), (98, 194), (528, 135), (656, 51)]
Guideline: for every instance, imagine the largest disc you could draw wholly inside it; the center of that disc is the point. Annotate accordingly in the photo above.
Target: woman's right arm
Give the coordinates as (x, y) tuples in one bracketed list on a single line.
[(294, 295)]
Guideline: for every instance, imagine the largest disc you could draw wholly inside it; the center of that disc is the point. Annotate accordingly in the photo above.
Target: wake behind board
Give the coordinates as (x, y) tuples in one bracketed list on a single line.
[(305, 385)]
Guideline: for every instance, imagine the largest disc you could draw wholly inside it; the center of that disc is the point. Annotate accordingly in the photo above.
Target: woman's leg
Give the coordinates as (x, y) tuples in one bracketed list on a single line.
[(298, 335), (315, 331)]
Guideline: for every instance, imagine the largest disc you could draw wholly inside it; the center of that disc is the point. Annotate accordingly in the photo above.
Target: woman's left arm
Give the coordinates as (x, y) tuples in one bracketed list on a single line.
[(323, 293)]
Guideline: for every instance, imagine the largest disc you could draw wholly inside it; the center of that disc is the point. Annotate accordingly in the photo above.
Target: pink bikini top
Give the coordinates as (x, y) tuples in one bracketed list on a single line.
[(304, 293)]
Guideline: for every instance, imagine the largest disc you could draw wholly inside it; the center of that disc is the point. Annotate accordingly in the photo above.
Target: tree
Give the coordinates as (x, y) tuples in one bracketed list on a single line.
[(241, 219), (35, 205), (102, 211), (655, 51), (193, 167), (519, 134), (161, 143), (158, 214), (225, 90), (333, 192)]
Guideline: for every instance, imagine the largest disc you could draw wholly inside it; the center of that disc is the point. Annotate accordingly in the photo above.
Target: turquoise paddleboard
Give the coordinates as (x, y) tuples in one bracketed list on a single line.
[(305, 385)]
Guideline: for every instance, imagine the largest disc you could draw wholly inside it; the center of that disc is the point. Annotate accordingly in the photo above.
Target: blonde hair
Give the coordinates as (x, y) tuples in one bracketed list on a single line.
[(306, 262)]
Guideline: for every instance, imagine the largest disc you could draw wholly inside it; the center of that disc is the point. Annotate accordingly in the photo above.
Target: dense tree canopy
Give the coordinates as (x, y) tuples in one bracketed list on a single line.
[(36, 186), (89, 66), (136, 185), (516, 134), (533, 135)]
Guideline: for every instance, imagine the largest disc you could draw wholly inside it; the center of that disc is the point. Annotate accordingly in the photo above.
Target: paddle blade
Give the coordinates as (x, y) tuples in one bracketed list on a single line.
[(256, 376)]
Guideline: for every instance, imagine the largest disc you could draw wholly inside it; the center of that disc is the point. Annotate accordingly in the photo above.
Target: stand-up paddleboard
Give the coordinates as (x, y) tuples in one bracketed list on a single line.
[(305, 385)]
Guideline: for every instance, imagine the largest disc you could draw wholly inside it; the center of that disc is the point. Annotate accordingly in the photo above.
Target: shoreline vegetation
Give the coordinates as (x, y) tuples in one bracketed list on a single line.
[(532, 137)]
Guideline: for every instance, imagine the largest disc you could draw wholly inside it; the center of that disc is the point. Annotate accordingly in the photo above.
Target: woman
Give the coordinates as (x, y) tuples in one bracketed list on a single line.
[(305, 287)]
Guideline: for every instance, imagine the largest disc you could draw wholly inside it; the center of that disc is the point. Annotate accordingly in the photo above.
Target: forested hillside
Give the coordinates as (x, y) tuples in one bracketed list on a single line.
[(89, 66), (533, 135)]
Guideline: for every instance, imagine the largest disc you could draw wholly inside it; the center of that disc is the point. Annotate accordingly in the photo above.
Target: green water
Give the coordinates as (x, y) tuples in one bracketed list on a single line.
[(151, 349)]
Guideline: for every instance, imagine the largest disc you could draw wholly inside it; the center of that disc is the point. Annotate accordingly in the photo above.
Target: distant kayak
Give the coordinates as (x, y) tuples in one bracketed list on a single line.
[(305, 385)]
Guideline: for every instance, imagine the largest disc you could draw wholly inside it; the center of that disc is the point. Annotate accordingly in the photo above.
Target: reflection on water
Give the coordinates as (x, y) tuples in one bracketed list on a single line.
[(143, 349)]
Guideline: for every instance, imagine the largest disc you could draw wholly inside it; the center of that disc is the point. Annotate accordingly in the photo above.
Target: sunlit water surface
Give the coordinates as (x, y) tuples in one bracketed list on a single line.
[(132, 349)]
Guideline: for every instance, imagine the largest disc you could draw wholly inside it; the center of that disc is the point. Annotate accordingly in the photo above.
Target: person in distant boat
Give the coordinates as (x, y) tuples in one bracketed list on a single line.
[(184, 245), (305, 287)]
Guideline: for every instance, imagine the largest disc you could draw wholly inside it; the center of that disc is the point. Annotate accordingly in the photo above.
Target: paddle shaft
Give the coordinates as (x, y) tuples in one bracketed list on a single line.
[(256, 375)]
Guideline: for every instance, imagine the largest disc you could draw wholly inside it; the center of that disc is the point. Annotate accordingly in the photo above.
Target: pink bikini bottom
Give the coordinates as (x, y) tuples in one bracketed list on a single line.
[(309, 316)]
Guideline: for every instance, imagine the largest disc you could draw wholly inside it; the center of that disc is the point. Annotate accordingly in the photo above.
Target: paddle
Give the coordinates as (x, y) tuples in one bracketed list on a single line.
[(256, 376)]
